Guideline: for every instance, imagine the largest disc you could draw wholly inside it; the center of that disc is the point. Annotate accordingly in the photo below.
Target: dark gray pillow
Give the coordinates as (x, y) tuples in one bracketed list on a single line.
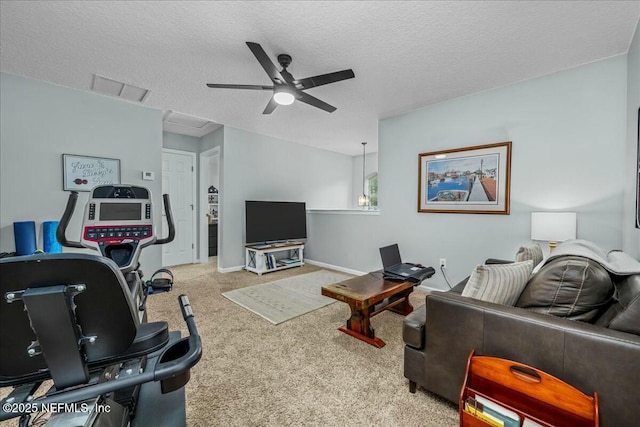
[(569, 286), (624, 314)]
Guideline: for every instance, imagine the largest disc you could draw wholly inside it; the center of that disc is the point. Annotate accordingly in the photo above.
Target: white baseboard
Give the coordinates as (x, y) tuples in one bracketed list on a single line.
[(307, 261), (230, 269), (426, 288), (335, 267)]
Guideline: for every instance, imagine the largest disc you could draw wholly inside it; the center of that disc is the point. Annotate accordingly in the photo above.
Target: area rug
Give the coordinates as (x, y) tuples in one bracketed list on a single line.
[(288, 298)]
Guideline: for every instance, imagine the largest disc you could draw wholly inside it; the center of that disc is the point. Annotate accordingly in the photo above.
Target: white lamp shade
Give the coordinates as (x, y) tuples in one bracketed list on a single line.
[(553, 226)]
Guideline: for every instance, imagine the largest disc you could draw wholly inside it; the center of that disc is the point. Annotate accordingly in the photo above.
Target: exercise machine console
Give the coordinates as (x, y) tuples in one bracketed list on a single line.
[(117, 222)]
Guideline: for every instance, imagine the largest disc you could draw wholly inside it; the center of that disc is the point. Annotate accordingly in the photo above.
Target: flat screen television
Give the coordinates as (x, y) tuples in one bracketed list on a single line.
[(274, 221)]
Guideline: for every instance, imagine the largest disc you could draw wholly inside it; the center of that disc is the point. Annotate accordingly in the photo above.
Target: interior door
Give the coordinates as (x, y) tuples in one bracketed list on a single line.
[(178, 180)]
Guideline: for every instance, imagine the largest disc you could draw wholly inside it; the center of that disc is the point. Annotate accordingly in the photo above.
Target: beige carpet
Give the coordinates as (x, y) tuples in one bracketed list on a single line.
[(287, 298), (301, 373)]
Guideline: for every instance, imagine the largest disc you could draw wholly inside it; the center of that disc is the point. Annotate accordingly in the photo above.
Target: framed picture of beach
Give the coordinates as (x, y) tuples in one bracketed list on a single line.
[(638, 177), (465, 180)]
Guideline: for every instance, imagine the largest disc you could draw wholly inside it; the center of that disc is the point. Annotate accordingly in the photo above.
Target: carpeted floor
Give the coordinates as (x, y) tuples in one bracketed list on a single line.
[(303, 372)]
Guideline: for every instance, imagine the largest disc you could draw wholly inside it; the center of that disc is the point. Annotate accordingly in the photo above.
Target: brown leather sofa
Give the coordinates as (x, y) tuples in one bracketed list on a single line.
[(440, 334)]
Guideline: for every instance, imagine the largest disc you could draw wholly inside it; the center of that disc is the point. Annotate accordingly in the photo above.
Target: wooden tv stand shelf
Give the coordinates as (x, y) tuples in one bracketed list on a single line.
[(266, 258), (520, 392)]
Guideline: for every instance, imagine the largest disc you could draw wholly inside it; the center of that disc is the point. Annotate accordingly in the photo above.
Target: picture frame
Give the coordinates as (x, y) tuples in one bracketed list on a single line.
[(469, 180), (82, 173), (638, 175)]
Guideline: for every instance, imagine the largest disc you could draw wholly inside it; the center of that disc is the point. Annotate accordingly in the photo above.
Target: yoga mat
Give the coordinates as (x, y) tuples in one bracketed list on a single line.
[(51, 245), (25, 236)]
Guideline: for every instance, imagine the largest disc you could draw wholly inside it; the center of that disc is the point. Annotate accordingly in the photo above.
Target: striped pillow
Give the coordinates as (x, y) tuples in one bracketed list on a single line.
[(498, 283), (532, 252)]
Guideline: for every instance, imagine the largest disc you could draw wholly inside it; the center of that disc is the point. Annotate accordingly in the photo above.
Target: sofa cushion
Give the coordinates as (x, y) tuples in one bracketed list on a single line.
[(570, 286), (531, 252), (498, 283), (624, 314)]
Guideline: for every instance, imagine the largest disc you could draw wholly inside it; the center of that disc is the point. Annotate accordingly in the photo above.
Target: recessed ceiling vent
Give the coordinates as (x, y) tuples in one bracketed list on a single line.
[(118, 89), (187, 125)]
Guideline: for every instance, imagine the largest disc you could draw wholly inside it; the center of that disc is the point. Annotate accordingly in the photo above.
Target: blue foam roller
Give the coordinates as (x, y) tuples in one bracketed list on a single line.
[(25, 237), (51, 245)]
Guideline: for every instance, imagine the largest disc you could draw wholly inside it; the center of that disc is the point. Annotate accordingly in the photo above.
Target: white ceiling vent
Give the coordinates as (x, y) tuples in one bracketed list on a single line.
[(118, 89), (187, 125)]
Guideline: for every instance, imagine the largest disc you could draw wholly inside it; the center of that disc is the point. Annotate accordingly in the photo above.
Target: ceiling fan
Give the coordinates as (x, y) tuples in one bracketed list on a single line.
[(285, 88)]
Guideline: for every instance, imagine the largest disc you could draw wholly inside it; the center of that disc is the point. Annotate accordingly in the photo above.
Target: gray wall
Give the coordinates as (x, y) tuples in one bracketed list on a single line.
[(632, 234), (180, 142), (569, 145), (257, 167), (212, 140), (40, 122)]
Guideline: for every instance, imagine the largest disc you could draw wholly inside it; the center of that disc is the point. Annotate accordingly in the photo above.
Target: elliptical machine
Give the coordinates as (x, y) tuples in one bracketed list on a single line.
[(118, 223), (79, 320)]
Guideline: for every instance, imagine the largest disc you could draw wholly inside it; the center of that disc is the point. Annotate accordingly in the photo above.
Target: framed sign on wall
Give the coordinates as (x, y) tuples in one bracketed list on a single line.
[(465, 180), (82, 173)]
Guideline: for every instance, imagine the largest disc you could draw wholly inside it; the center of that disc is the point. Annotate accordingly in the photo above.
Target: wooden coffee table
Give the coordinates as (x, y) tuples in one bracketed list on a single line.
[(367, 296)]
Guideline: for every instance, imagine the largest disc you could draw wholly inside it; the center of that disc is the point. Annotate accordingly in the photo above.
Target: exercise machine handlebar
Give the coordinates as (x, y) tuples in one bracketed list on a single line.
[(61, 232), (172, 229)]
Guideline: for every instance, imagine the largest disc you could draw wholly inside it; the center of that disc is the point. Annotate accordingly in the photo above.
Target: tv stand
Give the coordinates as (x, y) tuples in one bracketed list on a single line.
[(268, 257)]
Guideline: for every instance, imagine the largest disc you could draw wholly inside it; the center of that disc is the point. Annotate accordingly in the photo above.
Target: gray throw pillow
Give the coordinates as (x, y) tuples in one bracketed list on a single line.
[(498, 283), (531, 252)]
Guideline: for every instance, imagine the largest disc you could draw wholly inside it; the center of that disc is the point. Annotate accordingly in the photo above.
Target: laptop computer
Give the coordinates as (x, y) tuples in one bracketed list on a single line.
[(395, 269)]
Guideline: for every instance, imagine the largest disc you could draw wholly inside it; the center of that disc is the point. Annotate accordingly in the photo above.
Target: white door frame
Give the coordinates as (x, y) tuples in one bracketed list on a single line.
[(205, 156), (194, 235)]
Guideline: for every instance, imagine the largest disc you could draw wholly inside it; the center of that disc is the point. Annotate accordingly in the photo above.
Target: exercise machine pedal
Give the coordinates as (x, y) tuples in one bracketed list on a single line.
[(161, 281)]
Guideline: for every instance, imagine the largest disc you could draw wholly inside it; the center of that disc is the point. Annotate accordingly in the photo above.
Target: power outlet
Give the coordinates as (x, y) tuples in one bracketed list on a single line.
[(443, 262)]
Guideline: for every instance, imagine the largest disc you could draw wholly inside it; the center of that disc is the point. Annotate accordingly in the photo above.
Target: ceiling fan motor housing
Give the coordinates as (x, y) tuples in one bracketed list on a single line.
[(284, 60)]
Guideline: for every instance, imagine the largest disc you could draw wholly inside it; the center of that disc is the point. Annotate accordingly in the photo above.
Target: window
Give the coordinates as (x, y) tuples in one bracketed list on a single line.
[(371, 188)]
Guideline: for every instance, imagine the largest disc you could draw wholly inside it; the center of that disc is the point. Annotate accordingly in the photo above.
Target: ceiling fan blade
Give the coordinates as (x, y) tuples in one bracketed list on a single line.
[(270, 106), (266, 63), (324, 79), (311, 100), (252, 87)]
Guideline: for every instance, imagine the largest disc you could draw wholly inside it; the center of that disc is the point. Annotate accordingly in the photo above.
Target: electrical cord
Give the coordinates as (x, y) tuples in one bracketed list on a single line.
[(444, 273)]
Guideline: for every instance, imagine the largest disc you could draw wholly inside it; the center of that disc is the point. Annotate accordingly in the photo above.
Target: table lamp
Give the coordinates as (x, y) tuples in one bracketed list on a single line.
[(553, 227)]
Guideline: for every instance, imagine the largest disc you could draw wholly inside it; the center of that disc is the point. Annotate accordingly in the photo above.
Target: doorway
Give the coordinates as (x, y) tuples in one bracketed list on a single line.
[(211, 204), (178, 180)]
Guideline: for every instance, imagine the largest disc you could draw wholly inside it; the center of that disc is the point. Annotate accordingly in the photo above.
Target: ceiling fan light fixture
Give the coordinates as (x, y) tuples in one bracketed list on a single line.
[(283, 96)]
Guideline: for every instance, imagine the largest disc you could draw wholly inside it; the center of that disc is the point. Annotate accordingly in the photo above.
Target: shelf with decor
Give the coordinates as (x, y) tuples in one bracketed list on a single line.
[(265, 258), (502, 393), (212, 212)]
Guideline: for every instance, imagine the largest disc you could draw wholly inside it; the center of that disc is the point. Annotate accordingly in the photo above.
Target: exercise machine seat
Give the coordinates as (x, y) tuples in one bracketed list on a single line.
[(100, 312)]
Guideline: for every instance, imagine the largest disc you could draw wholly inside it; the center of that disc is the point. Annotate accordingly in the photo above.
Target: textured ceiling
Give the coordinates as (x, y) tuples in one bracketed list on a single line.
[(405, 55)]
